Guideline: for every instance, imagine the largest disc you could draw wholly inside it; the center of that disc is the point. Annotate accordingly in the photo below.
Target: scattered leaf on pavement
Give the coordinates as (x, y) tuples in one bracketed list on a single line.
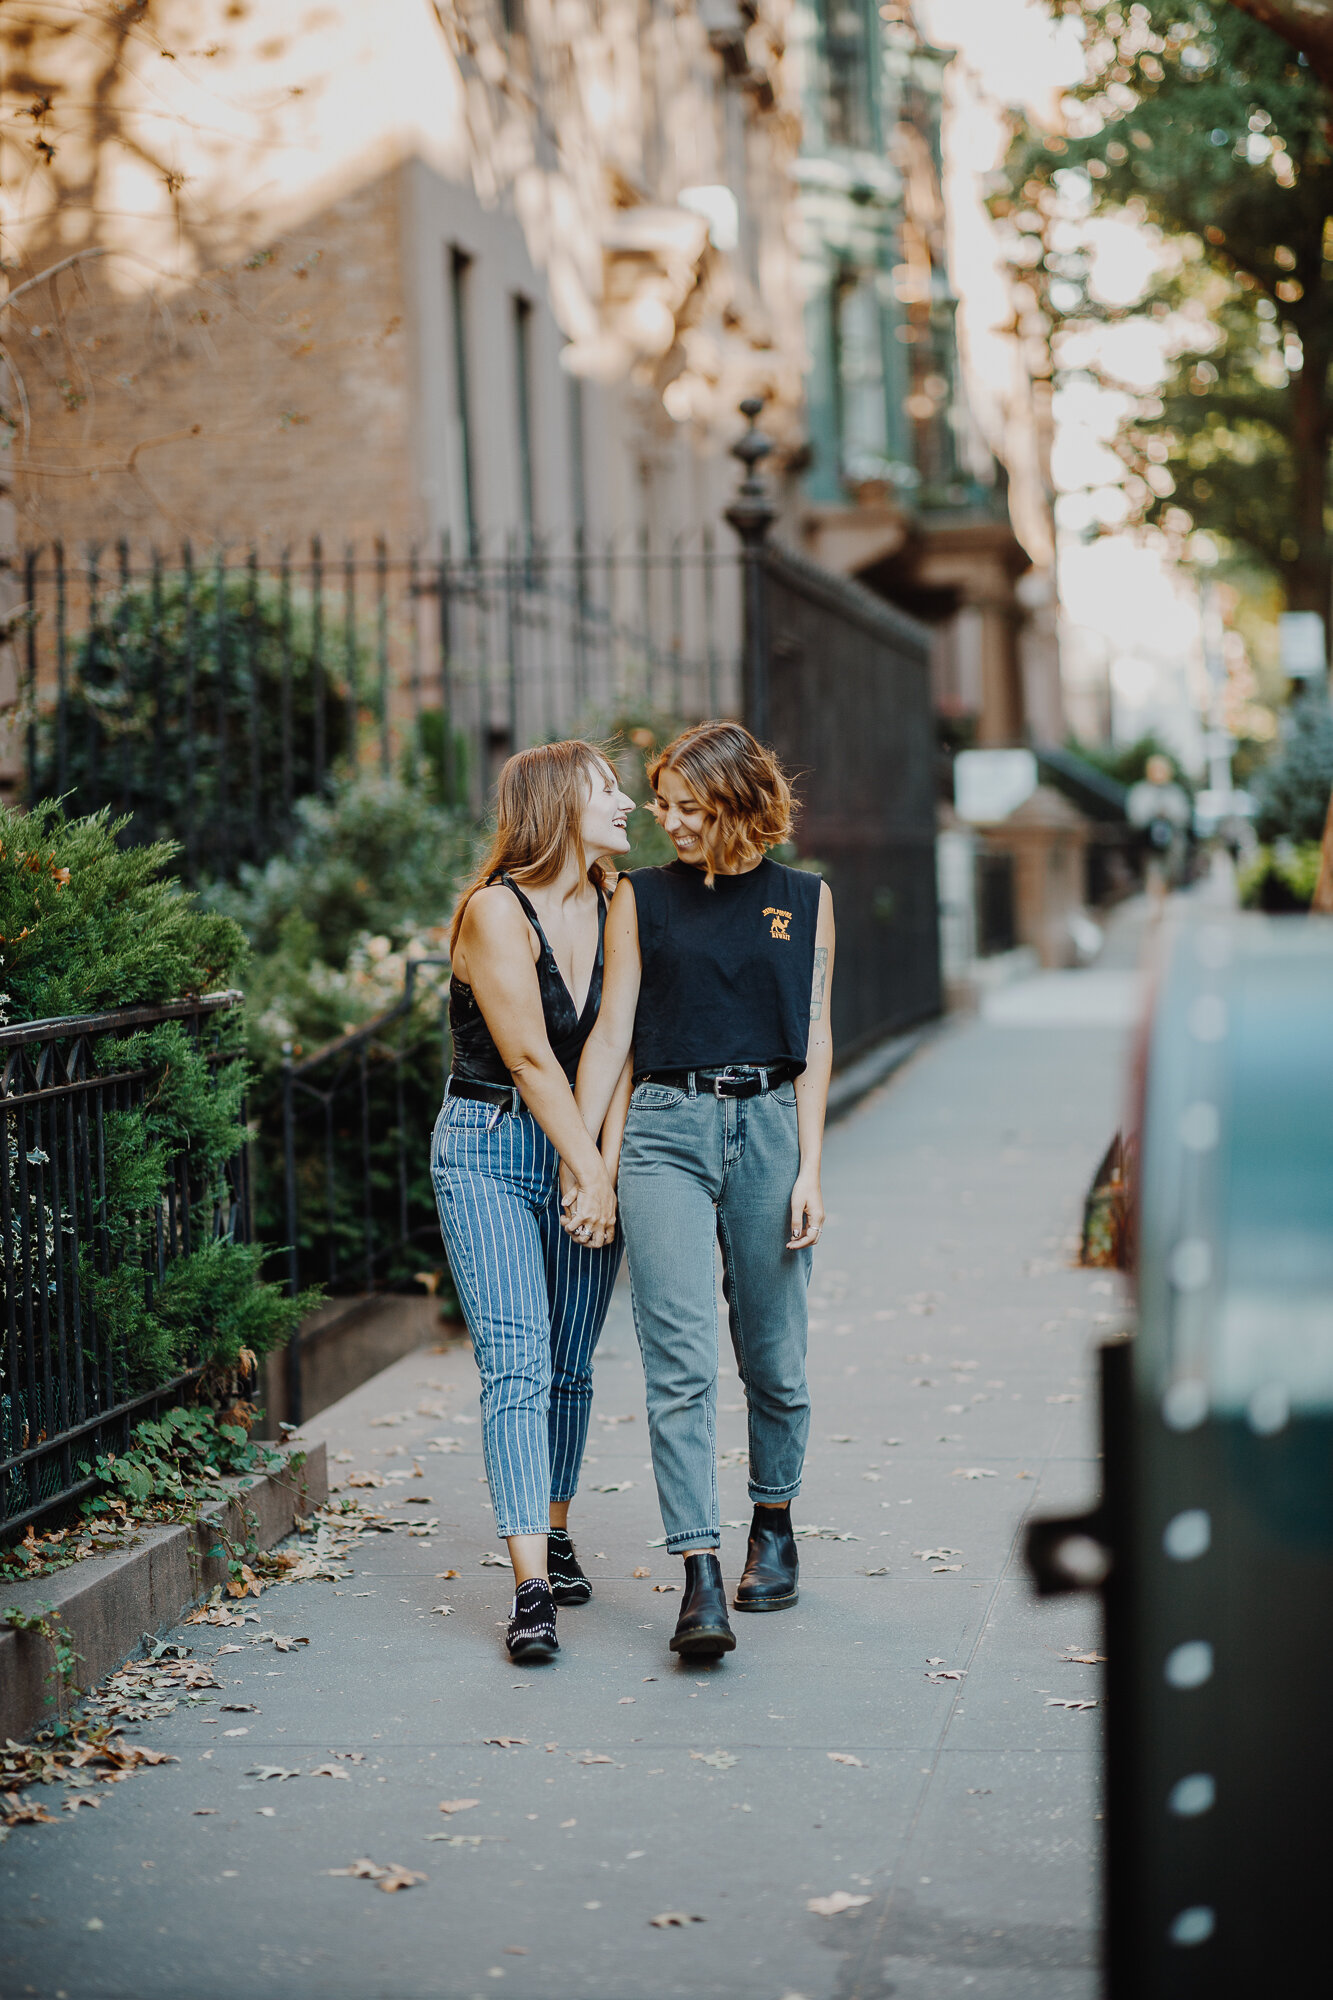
[(671, 1920), (445, 1610), (78, 1799), (721, 1760), (1057, 1702), (443, 1575), (834, 1905), (330, 1771), (643, 1572), (614, 1486), (265, 1771), (458, 1805), (505, 1742), (599, 1758), (666, 1588), (947, 1674), (1083, 1659), (844, 1757), (390, 1878), (493, 1561), (883, 1570), (973, 1472)]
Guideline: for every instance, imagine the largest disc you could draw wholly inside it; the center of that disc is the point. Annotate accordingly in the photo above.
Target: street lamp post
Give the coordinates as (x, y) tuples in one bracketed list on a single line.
[(751, 514)]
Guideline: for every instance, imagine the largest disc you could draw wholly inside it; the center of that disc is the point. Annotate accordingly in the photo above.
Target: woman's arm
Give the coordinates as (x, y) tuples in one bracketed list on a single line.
[(607, 1048), (503, 977), (807, 1202), (613, 1126)]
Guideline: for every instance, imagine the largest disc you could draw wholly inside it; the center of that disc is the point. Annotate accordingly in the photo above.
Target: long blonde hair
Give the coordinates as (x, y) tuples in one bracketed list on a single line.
[(742, 788), (539, 814)]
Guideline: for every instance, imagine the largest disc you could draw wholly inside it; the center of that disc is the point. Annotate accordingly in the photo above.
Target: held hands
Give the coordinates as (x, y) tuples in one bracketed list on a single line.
[(588, 1206), (807, 1212)]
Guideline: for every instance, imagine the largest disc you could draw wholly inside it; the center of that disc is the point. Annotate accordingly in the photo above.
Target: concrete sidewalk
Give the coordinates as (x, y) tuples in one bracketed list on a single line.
[(950, 1361)]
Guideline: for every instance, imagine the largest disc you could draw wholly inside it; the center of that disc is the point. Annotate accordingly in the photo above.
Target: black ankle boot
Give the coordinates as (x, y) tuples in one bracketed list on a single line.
[(531, 1635), (702, 1631), (771, 1566), (568, 1583)]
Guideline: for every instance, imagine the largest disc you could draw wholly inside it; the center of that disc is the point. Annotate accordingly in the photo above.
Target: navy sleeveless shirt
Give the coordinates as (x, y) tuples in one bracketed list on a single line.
[(476, 1058), (727, 970)]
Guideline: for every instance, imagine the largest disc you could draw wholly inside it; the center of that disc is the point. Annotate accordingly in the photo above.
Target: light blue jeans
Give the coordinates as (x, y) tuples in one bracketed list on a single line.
[(697, 1169), (535, 1302)]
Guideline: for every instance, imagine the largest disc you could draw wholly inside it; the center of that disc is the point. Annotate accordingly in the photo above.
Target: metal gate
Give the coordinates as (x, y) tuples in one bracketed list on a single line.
[(839, 684)]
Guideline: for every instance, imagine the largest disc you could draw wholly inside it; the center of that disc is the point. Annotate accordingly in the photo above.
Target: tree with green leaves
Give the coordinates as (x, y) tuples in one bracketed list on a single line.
[(1198, 119)]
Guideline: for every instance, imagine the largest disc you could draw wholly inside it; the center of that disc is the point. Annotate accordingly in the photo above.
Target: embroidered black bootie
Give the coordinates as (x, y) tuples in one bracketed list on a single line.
[(531, 1635), (771, 1566), (568, 1583)]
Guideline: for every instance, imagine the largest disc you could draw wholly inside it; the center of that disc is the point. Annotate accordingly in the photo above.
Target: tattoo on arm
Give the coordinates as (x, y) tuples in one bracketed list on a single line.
[(817, 984)]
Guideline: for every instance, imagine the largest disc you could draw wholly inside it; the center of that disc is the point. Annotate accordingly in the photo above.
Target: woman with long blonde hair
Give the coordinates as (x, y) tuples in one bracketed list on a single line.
[(718, 971), (534, 1272)]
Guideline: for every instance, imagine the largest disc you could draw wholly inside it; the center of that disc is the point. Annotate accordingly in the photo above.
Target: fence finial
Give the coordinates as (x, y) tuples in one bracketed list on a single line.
[(752, 512)]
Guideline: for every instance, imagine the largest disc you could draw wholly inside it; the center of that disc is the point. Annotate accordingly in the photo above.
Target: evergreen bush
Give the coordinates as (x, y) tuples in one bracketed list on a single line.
[(181, 696), (1291, 792), (88, 925)]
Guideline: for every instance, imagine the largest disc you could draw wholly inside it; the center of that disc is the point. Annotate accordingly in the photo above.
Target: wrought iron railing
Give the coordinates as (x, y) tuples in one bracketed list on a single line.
[(356, 1118), (204, 693), (68, 1389)]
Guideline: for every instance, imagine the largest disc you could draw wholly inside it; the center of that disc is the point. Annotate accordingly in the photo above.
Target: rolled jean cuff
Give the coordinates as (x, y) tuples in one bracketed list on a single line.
[(774, 1494), (542, 1528), (679, 1543)]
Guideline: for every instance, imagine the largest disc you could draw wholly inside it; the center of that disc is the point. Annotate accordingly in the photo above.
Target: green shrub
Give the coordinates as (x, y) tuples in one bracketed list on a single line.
[(181, 662), (1291, 792), (1281, 877), (87, 926)]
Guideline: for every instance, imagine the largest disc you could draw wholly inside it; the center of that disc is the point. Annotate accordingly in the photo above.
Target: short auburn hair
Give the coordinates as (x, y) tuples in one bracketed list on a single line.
[(742, 788)]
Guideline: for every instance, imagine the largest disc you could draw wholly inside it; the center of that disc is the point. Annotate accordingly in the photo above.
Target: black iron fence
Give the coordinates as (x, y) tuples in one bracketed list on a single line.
[(358, 1204), (839, 682), (204, 693), (69, 1388)]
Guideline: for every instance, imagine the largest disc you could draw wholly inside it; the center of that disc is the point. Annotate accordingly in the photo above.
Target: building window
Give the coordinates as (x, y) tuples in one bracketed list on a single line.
[(522, 313), (849, 51), (460, 266), (578, 476)]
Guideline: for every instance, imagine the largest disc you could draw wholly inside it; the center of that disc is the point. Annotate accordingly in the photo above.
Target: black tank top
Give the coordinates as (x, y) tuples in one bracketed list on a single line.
[(476, 1057), (727, 970)]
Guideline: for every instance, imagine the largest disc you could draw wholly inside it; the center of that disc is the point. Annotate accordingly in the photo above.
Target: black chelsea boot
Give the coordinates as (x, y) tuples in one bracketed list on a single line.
[(702, 1631), (771, 1566)]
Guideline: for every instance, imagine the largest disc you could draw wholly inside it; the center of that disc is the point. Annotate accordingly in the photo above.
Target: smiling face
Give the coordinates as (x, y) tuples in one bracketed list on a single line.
[(681, 816), (602, 829)]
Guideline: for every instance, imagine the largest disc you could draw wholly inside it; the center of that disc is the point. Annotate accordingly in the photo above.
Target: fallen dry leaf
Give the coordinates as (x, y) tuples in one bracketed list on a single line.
[(721, 1760), (235, 1732), (330, 1771), (1056, 1702), (666, 1588), (78, 1799), (834, 1905), (600, 1758), (390, 1878), (614, 1486), (239, 1708), (973, 1472), (1084, 1659), (205, 1812), (844, 1757), (643, 1572), (505, 1742), (444, 1610), (443, 1575), (947, 1674), (625, 1700), (493, 1561), (675, 1920), (351, 1756), (883, 1570), (22, 1813), (266, 1771), (458, 1805)]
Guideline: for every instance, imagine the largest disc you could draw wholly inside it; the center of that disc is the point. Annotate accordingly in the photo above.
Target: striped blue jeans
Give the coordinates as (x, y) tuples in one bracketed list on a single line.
[(534, 1300)]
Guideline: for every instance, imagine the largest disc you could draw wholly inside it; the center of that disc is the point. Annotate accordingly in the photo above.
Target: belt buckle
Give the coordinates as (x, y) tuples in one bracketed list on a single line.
[(728, 1075)]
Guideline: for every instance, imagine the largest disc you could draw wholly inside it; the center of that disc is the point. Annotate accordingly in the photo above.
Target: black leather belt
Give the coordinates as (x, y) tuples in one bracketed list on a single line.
[(506, 1095), (733, 1080)]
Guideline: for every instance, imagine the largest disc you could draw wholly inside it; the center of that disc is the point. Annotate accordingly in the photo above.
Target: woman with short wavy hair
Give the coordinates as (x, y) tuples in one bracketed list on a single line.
[(717, 974)]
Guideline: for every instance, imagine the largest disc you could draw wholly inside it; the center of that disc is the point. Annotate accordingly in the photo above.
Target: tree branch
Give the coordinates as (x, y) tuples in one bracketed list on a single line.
[(78, 257)]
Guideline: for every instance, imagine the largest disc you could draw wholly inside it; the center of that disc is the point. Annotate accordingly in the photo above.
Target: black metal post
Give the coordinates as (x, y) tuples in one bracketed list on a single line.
[(293, 1230), (752, 514)]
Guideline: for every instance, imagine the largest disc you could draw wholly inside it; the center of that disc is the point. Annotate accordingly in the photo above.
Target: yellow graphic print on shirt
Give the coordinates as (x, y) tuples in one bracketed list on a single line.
[(778, 927)]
